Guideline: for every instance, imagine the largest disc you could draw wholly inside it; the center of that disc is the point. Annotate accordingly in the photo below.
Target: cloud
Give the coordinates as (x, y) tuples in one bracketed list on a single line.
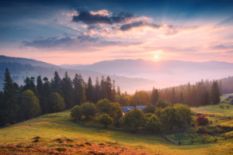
[(228, 46), (141, 23), (49, 42), (81, 41), (100, 17)]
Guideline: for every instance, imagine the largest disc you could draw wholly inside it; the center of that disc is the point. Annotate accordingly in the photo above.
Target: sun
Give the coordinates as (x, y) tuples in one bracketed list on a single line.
[(157, 55)]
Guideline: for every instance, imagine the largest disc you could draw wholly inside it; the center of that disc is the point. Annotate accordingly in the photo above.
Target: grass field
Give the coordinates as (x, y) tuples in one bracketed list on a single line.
[(225, 110), (52, 127)]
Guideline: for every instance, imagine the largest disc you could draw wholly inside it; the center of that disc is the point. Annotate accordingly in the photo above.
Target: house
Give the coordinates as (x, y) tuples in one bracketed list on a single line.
[(126, 109)]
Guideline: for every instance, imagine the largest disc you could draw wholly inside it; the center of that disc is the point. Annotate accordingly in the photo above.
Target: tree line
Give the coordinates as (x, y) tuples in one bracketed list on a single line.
[(40, 95), (201, 93), (153, 119)]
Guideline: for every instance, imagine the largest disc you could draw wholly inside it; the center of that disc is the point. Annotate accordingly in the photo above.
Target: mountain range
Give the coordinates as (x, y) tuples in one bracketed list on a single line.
[(129, 74), (20, 68), (165, 73)]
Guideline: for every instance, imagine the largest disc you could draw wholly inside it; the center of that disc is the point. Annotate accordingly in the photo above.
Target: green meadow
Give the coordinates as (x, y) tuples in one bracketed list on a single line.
[(58, 125)]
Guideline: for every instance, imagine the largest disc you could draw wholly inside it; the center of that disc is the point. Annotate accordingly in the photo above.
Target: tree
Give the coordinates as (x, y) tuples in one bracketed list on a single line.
[(79, 89), (153, 124), (29, 105), (149, 109), (154, 97), (140, 98), (215, 93), (56, 83), (56, 102), (67, 91), (88, 110), (104, 106), (134, 120), (104, 119), (175, 118), (30, 84), (44, 90), (90, 91), (111, 108), (97, 90), (76, 113), (10, 107), (2, 108)]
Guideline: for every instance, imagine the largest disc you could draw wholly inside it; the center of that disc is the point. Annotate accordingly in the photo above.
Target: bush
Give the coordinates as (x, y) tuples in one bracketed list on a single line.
[(175, 118), (104, 106), (56, 102), (152, 123), (185, 115), (134, 120), (149, 109), (202, 120), (30, 106), (112, 109), (104, 119), (117, 113), (162, 104), (88, 111), (76, 113)]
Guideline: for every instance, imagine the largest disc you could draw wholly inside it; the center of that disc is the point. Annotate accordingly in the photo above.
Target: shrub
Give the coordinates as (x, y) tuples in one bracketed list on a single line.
[(56, 102), (134, 120), (149, 109), (30, 106), (104, 106), (162, 104), (152, 123), (175, 118), (202, 120), (76, 113), (104, 119), (88, 111), (185, 115), (112, 109)]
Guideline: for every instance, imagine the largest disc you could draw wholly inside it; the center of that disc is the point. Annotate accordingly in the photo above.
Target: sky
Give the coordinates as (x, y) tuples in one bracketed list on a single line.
[(84, 32)]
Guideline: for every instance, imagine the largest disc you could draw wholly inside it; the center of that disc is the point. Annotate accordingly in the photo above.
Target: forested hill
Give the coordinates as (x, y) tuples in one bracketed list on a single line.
[(21, 68)]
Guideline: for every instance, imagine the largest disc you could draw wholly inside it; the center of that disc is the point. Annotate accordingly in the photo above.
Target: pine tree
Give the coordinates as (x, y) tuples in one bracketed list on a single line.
[(67, 91), (56, 83), (44, 89), (29, 83), (10, 110), (215, 93), (79, 89), (97, 91), (154, 96), (90, 90)]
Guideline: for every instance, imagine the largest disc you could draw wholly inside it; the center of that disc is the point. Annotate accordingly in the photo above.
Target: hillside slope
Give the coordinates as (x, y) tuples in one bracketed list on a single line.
[(57, 134)]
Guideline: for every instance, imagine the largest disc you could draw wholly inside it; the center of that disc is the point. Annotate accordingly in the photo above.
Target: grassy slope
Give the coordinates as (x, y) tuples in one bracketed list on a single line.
[(59, 125), (219, 110)]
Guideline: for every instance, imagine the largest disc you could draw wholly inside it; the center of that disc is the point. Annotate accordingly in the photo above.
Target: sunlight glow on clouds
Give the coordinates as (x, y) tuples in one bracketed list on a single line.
[(91, 35)]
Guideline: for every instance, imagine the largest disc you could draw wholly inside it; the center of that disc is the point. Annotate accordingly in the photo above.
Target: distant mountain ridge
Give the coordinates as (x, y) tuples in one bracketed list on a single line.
[(20, 68), (165, 73), (130, 75)]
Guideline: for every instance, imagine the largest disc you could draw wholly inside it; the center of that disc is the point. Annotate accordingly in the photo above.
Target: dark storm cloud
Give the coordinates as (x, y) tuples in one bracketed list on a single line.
[(88, 18)]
